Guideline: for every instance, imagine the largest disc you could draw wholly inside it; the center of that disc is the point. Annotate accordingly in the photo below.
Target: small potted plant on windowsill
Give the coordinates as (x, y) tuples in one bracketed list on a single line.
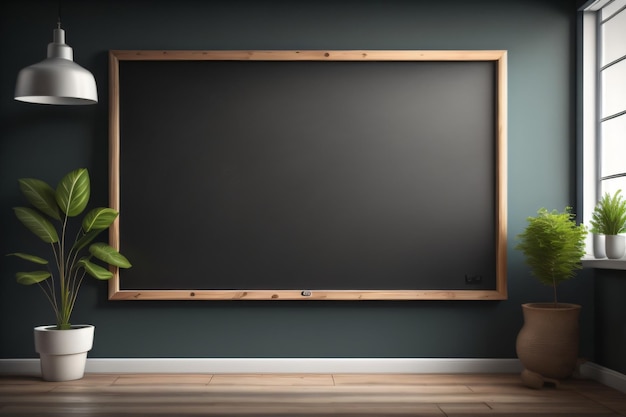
[(547, 344), (63, 347), (609, 219)]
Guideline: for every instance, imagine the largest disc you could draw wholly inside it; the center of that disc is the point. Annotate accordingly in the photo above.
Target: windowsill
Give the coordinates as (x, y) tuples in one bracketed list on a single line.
[(591, 262)]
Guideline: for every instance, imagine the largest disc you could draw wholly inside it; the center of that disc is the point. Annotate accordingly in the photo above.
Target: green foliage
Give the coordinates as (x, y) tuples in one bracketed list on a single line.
[(553, 246), (50, 206), (609, 215)]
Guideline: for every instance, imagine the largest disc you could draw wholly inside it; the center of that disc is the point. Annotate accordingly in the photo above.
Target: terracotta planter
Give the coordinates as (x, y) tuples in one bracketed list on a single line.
[(548, 342), (63, 353)]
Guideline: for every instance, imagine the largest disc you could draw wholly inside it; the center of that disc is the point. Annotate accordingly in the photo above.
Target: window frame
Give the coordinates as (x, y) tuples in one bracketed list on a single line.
[(590, 99)]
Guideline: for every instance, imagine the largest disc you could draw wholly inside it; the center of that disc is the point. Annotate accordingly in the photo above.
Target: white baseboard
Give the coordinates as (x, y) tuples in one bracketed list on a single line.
[(277, 365), (589, 370), (604, 375)]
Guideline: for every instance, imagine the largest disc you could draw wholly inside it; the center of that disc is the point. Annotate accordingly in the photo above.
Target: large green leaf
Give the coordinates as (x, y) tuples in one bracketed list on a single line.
[(72, 193), (37, 224), (30, 258), (95, 270), (33, 277), (41, 195), (99, 218), (109, 255)]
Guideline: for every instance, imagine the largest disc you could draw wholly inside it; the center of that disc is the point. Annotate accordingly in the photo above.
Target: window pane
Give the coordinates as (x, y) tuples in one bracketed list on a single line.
[(614, 38), (608, 10), (612, 185), (613, 146), (614, 89)]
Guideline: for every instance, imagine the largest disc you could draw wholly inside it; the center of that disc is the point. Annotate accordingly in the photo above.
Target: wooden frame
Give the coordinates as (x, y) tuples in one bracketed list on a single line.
[(498, 57)]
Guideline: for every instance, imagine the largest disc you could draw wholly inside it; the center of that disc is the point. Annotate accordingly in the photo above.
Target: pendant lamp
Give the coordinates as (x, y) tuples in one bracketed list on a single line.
[(57, 79)]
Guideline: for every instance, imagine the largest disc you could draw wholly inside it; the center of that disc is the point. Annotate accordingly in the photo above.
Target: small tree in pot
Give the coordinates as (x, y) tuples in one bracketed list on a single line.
[(547, 345), (72, 257)]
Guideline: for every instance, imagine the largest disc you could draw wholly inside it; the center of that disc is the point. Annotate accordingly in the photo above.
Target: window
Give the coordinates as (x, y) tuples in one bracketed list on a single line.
[(603, 104)]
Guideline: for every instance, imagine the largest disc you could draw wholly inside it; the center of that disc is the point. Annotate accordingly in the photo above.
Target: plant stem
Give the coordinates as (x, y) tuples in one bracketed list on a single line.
[(63, 278), (75, 289), (50, 296)]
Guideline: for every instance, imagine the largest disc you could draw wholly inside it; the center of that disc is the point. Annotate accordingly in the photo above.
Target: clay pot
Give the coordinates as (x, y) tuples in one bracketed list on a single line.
[(548, 342)]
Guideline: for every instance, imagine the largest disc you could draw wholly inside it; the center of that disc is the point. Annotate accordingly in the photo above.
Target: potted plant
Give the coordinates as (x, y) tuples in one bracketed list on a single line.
[(63, 347), (547, 345), (609, 219)]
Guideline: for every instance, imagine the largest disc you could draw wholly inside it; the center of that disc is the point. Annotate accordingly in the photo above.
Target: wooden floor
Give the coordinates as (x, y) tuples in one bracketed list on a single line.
[(263, 395)]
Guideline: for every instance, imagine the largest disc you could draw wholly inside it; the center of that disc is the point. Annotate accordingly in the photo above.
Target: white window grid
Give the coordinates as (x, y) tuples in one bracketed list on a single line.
[(603, 103)]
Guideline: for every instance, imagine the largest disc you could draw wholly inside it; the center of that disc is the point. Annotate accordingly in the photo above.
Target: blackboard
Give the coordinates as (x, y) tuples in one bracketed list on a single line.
[(309, 175)]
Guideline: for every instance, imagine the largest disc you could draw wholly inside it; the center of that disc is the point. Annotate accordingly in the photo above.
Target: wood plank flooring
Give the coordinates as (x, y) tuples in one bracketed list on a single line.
[(261, 395)]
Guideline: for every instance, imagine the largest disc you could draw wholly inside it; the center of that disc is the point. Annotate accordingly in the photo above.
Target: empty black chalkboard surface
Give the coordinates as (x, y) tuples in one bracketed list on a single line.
[(309, 174)]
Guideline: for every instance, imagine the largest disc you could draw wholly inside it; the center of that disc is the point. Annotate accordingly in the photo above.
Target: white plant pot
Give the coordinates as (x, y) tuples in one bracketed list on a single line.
[(599, 245), (63, 353), (615, 246)]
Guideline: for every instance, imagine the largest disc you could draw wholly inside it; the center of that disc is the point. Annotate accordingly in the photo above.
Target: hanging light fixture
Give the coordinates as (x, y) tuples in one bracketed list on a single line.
[(57, 79)]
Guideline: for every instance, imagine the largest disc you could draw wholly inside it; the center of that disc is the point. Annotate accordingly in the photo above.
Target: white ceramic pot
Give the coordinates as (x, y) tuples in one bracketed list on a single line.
[(599, 245), (615, 246), (63, 353)]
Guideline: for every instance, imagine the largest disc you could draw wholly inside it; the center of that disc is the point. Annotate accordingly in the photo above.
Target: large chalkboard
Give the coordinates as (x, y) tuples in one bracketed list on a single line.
[(309, 174)]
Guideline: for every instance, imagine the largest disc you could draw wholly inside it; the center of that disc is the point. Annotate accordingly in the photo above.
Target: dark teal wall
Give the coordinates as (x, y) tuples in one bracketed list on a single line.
[(46, 142)]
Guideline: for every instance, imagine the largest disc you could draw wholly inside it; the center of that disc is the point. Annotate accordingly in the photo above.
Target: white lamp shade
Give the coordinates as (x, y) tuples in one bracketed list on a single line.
[(57, 79)]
